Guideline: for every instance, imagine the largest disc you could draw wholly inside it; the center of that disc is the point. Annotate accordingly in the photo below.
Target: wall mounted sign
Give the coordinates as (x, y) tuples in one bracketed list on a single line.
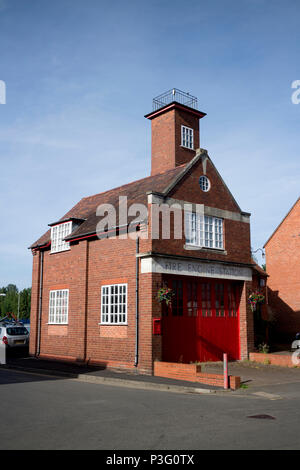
[(195, 268)]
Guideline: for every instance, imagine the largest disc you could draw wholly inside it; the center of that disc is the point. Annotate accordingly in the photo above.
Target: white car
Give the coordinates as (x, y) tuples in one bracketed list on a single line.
[(296, 344), (13, 335)]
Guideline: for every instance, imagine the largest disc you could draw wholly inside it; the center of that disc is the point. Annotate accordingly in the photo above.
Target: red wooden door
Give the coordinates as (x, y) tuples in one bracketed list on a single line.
[(203, 321)]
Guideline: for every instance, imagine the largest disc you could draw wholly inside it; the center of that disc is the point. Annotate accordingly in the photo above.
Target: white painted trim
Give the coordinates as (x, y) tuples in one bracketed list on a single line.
[(194, 268), (206, 210)]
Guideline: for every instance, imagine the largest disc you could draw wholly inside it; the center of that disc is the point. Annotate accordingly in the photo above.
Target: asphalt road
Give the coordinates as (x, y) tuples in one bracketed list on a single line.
[(47, 413)]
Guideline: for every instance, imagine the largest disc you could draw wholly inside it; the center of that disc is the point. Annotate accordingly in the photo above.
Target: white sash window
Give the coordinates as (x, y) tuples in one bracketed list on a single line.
[(187, 137), (203, 231), (114, 304), (58, 233), (58, 306)]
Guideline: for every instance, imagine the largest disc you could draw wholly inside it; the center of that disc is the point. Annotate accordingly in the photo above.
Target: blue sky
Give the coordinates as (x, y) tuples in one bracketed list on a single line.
[(80, 76)]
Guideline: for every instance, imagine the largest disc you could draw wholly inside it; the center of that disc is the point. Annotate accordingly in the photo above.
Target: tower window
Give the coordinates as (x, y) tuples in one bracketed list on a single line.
[(187, 137)]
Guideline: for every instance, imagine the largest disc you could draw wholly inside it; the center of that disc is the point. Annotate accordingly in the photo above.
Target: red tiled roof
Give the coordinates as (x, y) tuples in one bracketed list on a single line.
[(135, 192)]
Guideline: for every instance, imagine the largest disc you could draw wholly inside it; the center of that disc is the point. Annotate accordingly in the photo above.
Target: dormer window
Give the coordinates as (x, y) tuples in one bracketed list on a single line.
[(58, 233), (187, 137)]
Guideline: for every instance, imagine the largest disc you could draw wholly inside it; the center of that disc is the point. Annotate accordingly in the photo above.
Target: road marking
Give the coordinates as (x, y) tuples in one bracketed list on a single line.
[(269, 396)]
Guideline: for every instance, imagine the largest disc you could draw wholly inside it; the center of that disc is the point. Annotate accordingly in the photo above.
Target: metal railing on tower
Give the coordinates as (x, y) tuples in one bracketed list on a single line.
[(174, 95)]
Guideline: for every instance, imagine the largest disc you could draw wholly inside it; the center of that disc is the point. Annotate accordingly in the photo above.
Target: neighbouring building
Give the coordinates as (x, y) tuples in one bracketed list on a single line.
[(95, 285), (283, 267)]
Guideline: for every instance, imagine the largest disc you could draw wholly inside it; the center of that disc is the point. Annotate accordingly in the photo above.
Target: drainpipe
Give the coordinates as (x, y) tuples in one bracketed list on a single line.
[(86, 303), (137, 302), (40, 305)]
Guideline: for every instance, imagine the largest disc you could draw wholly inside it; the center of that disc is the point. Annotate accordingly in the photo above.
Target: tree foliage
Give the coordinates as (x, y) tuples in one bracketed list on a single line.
[(9, 302)]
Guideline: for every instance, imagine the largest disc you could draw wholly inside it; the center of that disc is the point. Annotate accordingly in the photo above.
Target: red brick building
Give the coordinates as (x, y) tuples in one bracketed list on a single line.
[(283, 266), (95, 289)]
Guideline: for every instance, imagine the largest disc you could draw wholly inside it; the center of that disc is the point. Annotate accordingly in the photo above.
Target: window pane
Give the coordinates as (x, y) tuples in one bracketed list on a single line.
[(220, 306), (114, 299), (58, 233), (206, 300), (192, 305), (232, 307), (187, 137), (204, 231), (58, 306)]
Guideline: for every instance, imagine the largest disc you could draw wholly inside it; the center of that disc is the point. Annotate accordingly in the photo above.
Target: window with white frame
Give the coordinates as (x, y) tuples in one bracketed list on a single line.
[(204, 231), (114, 304), (58, 306), (58, 233), (187, 137), (204, 183)]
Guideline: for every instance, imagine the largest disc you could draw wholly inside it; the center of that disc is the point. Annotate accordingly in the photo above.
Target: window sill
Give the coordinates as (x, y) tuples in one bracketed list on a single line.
[(205, 250), (58, 324), (187, 148), (113, 324)]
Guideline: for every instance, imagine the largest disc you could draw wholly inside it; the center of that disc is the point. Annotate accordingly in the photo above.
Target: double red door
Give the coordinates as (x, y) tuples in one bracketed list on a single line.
[(202, 322)]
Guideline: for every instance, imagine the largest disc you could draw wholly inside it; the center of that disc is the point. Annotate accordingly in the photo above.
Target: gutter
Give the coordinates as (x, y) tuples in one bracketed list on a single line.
[(86, 236), (39, 247), (111, 230)]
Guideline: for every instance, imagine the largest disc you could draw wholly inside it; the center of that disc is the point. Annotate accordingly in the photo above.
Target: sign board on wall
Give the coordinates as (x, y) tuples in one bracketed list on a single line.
[(195, 268)]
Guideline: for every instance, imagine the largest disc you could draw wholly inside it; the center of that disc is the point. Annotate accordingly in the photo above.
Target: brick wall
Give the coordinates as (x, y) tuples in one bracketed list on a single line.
[(236, 233), (34, 301), (246, 322), (83, 270), (65, 270), (282, 264), (167, 151), (192, 373), (273, 359)]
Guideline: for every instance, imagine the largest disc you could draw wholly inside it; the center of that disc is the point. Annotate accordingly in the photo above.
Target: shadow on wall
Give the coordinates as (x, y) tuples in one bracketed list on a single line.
[(285, 320)]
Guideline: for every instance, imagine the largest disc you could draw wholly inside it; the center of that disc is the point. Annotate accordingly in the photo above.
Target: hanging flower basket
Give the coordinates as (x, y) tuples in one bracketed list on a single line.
[(254, 299), (165, 294)]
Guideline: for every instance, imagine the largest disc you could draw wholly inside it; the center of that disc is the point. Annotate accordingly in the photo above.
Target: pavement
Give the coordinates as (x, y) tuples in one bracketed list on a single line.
[(254, 376), (101, 375)]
